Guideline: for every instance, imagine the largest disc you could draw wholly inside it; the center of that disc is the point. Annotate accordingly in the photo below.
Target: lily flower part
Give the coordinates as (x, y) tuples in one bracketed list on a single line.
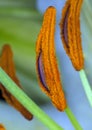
[(2, 127), (70, 32), (46, 63), (6, 62)]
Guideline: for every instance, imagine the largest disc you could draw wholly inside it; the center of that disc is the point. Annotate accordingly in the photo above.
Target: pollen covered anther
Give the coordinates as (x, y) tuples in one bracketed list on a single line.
[(2, 127), (46, 62), (70, 32), (7, 64)]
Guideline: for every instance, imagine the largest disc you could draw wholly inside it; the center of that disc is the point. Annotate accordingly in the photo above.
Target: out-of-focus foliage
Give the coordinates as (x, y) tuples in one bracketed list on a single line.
[(19, 26), (17, 3)]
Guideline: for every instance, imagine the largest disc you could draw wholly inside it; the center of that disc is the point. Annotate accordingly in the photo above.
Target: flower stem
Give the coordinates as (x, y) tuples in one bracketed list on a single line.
[(86, 86), (73, 119), (27, 102)]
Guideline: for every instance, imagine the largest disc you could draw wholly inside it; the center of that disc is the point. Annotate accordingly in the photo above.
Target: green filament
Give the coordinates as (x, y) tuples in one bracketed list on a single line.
[(86, 86), (32, 107)]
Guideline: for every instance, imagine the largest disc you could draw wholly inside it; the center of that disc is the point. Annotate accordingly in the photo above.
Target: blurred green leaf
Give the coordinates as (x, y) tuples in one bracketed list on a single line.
[(19, 27), (17, 3)]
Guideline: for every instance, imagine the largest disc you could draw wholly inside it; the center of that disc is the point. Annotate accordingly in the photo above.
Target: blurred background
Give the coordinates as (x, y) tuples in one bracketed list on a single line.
[(20, 23)]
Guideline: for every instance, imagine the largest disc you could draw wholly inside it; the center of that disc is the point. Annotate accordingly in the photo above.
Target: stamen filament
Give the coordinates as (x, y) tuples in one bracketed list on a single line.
[(73, 119), (32, 107), (86, 86), (27, 102)]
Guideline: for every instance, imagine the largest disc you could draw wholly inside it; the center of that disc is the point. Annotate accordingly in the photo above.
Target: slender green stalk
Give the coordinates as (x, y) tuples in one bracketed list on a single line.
[(32, 107), (73, 119), (27, 102), (86, 86)]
